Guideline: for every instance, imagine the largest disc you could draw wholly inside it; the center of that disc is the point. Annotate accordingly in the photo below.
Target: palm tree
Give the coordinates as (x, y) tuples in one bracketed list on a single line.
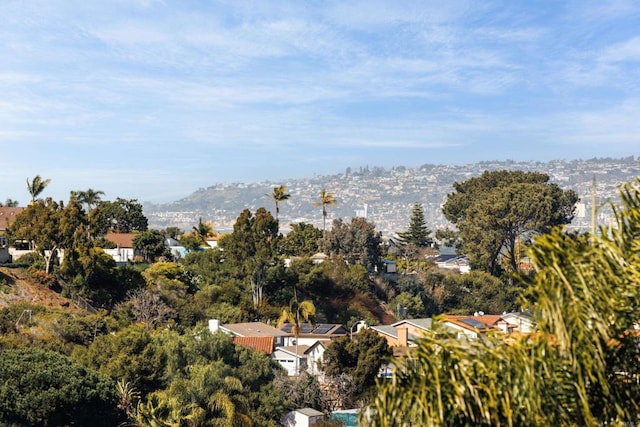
[(326, 199), (295, 314), (36, 187), (203, 230), (90, 197), (278, 195)]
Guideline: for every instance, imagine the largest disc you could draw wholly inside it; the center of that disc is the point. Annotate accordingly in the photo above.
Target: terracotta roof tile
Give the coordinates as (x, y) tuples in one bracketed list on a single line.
[(123, 240), (7, 215), (261, 344)]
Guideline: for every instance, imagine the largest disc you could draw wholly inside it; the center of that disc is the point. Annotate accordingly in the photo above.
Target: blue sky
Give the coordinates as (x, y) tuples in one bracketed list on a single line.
[(154, 99)]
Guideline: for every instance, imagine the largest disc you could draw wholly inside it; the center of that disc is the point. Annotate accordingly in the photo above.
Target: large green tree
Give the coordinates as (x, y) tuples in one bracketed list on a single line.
[(579, 368), (49, 227), (40, 387), (302, 240), (499, 210), (360, 357), (151, 244), (417, 234), (253, 249), (357, 242), (121, 216)]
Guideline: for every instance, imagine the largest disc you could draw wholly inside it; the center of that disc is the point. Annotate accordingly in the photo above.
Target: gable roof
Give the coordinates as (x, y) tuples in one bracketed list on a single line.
[(123, 240), (423, 323), (301, 351), (253, 329), (392, 331), (261, 344), (7, 215), (319, 343)]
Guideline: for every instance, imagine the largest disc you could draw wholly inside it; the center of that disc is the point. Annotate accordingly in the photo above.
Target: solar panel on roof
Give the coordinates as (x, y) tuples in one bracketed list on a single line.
[(322, 329), (474, 323)]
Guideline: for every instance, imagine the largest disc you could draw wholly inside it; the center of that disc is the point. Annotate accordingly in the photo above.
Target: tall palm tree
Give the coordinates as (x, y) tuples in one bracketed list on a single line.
[(90, 197), (326, 199), (296, 313), (36, 187), (278, 195), (203, 230)]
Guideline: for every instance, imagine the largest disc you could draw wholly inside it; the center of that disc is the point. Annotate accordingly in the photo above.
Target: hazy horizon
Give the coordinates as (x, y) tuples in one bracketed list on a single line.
[(152, 100)]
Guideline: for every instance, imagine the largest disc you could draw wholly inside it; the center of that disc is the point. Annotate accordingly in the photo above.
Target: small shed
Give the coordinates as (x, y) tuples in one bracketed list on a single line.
[(304, 417)]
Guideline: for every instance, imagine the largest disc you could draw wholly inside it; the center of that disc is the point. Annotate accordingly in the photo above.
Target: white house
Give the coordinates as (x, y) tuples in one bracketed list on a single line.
[(304, 417), (451, 262), (315, 358), (523, 321), (123, 252)]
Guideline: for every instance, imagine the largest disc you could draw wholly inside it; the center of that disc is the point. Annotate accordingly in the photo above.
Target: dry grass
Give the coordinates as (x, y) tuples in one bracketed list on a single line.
[(17, 287)]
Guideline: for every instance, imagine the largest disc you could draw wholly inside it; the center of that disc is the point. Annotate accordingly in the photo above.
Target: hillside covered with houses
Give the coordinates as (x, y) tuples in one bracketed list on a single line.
[(320, 325)]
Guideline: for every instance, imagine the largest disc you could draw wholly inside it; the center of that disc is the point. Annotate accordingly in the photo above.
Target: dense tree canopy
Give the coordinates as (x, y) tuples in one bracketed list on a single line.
[(48, 226), (498, 210), (361, 358), (39, 387), (121, 216), (357, 242), (253, 249), (302, 240), (151, 244), (579, 368)]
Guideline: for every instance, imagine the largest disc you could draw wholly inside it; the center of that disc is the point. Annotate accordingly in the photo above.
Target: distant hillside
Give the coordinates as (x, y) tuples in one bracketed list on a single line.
[(385, 196)]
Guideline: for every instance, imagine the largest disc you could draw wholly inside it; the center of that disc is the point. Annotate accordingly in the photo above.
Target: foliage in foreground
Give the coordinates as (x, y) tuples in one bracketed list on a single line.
[(41, 387), (580, 368)]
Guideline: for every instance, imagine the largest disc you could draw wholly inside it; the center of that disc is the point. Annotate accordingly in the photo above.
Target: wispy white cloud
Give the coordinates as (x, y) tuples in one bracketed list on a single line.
[(178, 83)]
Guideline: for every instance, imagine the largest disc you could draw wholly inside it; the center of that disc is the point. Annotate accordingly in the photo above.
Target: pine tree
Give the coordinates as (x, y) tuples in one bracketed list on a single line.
[(418, 233)]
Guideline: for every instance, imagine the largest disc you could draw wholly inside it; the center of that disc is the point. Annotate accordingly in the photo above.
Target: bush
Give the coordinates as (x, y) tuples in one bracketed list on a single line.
[(31, 259), (40, 387), (44, 279)]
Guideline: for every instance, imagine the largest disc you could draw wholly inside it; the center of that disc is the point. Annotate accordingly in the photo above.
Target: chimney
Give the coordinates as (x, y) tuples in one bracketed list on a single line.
[(214, 325), (403, 337)]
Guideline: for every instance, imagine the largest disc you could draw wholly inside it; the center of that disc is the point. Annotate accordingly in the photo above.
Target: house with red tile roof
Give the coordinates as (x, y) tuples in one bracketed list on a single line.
[(123, 252)]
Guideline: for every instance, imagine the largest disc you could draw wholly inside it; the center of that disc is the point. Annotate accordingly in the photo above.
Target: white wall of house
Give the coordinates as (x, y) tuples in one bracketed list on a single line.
[(462, 332), (122, 255), (288, 361), (302, 418), (523, 323), (315, 359)]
